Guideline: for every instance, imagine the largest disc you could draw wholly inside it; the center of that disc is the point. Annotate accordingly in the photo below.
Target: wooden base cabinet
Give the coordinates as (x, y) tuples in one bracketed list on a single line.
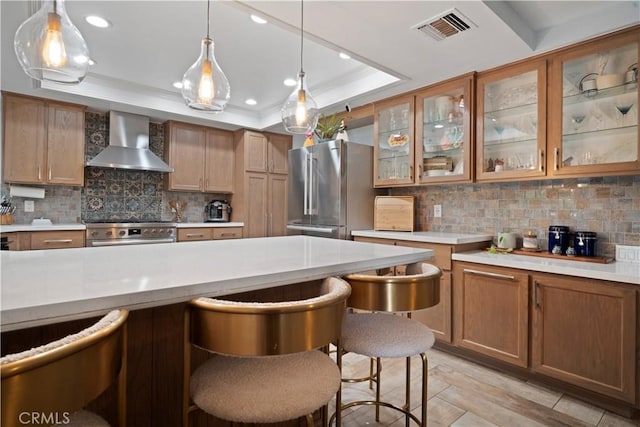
[(491, 311), (193, 234), (584, 333)]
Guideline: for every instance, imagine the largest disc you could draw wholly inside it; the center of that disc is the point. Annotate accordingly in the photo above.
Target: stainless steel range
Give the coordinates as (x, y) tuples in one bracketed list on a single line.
[(130, 233)]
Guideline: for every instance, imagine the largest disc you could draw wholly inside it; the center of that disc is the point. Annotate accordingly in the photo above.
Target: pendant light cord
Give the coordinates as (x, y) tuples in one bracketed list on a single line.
[(301, 32), (208, 7)]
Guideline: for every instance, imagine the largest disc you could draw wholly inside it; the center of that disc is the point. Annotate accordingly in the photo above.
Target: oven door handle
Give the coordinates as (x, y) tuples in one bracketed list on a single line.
[(116, 242)]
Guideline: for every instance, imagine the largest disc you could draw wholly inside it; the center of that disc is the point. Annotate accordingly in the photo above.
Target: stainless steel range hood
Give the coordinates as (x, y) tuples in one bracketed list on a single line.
[(129, 145)]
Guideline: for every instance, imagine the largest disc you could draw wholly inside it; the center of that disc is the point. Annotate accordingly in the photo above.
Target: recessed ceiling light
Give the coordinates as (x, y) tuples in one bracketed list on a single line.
[(177, 85), (290, 82), (344, 55), (251, 101), (97, 21), (258, 20)]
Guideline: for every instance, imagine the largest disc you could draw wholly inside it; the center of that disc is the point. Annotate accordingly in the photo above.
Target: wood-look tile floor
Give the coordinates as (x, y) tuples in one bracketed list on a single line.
[(464, 394)]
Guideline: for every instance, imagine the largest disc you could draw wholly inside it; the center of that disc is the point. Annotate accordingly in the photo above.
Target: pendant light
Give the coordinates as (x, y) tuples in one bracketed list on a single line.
[(204, 85), (300, 113), (49, 47)]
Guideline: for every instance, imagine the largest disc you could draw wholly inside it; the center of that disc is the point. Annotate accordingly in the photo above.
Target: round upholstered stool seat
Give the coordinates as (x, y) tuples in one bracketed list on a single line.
[(385, 335), (265, 389), (85, 418)]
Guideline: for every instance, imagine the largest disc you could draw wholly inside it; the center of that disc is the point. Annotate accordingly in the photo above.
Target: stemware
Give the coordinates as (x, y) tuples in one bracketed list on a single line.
[(623, 104)]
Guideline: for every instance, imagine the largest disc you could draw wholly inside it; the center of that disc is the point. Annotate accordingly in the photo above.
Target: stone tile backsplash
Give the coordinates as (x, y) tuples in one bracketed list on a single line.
[(609, 206)]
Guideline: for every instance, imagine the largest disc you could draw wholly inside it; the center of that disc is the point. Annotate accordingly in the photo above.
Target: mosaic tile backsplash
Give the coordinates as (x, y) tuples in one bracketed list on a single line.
[(609, 206)]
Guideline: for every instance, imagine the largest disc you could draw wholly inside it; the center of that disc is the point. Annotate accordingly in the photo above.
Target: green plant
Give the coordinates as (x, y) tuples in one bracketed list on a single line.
[(328, 126)]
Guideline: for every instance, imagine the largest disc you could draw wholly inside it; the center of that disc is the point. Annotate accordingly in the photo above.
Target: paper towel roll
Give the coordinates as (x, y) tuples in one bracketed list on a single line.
[(28, 192)]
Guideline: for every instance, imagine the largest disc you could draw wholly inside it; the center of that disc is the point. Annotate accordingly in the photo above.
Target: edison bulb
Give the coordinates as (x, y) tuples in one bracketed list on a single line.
[(53, 51), (205, 85), (301, 113)]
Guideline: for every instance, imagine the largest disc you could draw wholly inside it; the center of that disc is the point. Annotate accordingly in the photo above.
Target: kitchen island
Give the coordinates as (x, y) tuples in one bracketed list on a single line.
[(40, 287), (50, 293)]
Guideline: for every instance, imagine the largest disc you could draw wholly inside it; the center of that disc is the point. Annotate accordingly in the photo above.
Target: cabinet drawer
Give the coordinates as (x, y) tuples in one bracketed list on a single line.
[(194, 234), (57, 239), (227, 233)]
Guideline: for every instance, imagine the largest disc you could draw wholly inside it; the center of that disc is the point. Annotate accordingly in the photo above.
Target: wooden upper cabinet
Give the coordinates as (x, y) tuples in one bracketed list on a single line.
[(184, 151), (511, 120), (594, 131), (278, 152), (219, 162), (255, 152), (203, 158), (43, 142), (393, 148), (584, 333), (443, 151)]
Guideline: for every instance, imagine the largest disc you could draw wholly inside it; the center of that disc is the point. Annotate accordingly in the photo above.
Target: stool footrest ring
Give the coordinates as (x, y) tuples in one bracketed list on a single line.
[(374, 403)]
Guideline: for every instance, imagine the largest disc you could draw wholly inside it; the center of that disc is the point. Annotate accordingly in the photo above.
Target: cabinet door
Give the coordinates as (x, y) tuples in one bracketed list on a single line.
[(24, 140), (584, 333), (186, 155), (219, 161), (438, 317), (224, 233), (279, 146), (491, 311), (65, 144), (278, 205), (393, 130), (511, 122), (256, 187), (443, 132), (255, 152), (594, 96)]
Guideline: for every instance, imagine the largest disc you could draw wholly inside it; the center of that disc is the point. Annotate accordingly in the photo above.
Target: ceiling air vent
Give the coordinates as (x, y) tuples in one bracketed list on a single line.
[(445, 25)]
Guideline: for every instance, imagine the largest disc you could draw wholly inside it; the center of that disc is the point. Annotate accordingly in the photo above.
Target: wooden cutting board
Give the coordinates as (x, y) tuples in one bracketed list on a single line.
[(393, 213)]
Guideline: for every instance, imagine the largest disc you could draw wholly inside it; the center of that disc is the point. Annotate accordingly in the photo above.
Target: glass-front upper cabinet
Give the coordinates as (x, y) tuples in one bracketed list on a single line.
[(511, 122), (393, 129), (593, 91), (443, 131)]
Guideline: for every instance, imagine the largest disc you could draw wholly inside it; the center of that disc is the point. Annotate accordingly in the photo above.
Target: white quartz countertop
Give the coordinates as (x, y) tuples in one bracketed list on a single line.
[(48, 286), (209, 224), (51, 227), (425, 236), (623, 272)]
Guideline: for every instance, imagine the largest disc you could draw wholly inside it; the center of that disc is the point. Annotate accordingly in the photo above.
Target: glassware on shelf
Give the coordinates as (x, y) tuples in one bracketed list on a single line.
[(623, 104)]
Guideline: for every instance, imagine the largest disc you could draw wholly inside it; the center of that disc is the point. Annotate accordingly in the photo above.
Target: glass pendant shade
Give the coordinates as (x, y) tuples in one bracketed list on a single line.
[(204, 85), (300, 112), (49, 47)]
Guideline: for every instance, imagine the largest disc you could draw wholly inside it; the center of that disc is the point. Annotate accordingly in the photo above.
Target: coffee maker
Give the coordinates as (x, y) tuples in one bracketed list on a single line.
[(218, 211)]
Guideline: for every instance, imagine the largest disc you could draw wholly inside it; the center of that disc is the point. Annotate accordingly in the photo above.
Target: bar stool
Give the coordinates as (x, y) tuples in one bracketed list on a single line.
[(54, 381), (265, 366), (382, 333)]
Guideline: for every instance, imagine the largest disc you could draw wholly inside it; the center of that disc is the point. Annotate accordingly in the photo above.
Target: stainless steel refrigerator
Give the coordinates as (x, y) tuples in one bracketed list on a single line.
[(331, 189)]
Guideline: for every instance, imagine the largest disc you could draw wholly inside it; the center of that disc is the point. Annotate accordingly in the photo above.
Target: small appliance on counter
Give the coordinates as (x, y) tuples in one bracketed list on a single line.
[(218, 211), (558, 239), (584, 243)]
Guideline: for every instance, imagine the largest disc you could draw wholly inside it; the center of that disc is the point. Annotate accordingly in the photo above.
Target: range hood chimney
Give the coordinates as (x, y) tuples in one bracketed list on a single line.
[(129, 145)]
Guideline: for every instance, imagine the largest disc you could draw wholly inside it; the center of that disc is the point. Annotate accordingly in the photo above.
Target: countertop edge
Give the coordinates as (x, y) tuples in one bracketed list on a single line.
[(53, 227), (425, 236), (622, 272), (209, 224)]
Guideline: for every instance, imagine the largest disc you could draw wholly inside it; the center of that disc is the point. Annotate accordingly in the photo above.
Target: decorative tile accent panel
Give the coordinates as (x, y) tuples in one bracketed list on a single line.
[(609, 206), (120, 194)]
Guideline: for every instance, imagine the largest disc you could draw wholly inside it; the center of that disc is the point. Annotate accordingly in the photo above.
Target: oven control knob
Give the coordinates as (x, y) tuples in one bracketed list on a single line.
[(94, 233), (109, 233), (122, 232), (153, 231), (145, 231)]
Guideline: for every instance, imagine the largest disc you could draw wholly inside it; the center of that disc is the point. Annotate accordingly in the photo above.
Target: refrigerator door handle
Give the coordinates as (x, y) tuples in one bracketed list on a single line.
[(312, 175), (305, 184)]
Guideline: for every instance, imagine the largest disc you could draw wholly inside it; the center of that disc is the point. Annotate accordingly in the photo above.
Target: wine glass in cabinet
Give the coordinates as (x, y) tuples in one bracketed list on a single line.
[(394, 142), (593, 91), (511, 122), (443, 131)]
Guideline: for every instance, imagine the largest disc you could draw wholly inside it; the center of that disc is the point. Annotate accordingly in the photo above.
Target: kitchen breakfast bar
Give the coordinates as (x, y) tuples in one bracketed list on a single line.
[(47, 294)]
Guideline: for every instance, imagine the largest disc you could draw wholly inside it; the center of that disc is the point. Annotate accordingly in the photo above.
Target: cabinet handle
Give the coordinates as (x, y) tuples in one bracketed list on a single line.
[(49, 174), (39, 174), (489, 274), (541, 160), (200, 184), (58, 241), (536, 293), (195, 235), (227, 234), (271, 224), (411, 172), (556, 154), (266, 229), (420, 172), (206, 183)]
